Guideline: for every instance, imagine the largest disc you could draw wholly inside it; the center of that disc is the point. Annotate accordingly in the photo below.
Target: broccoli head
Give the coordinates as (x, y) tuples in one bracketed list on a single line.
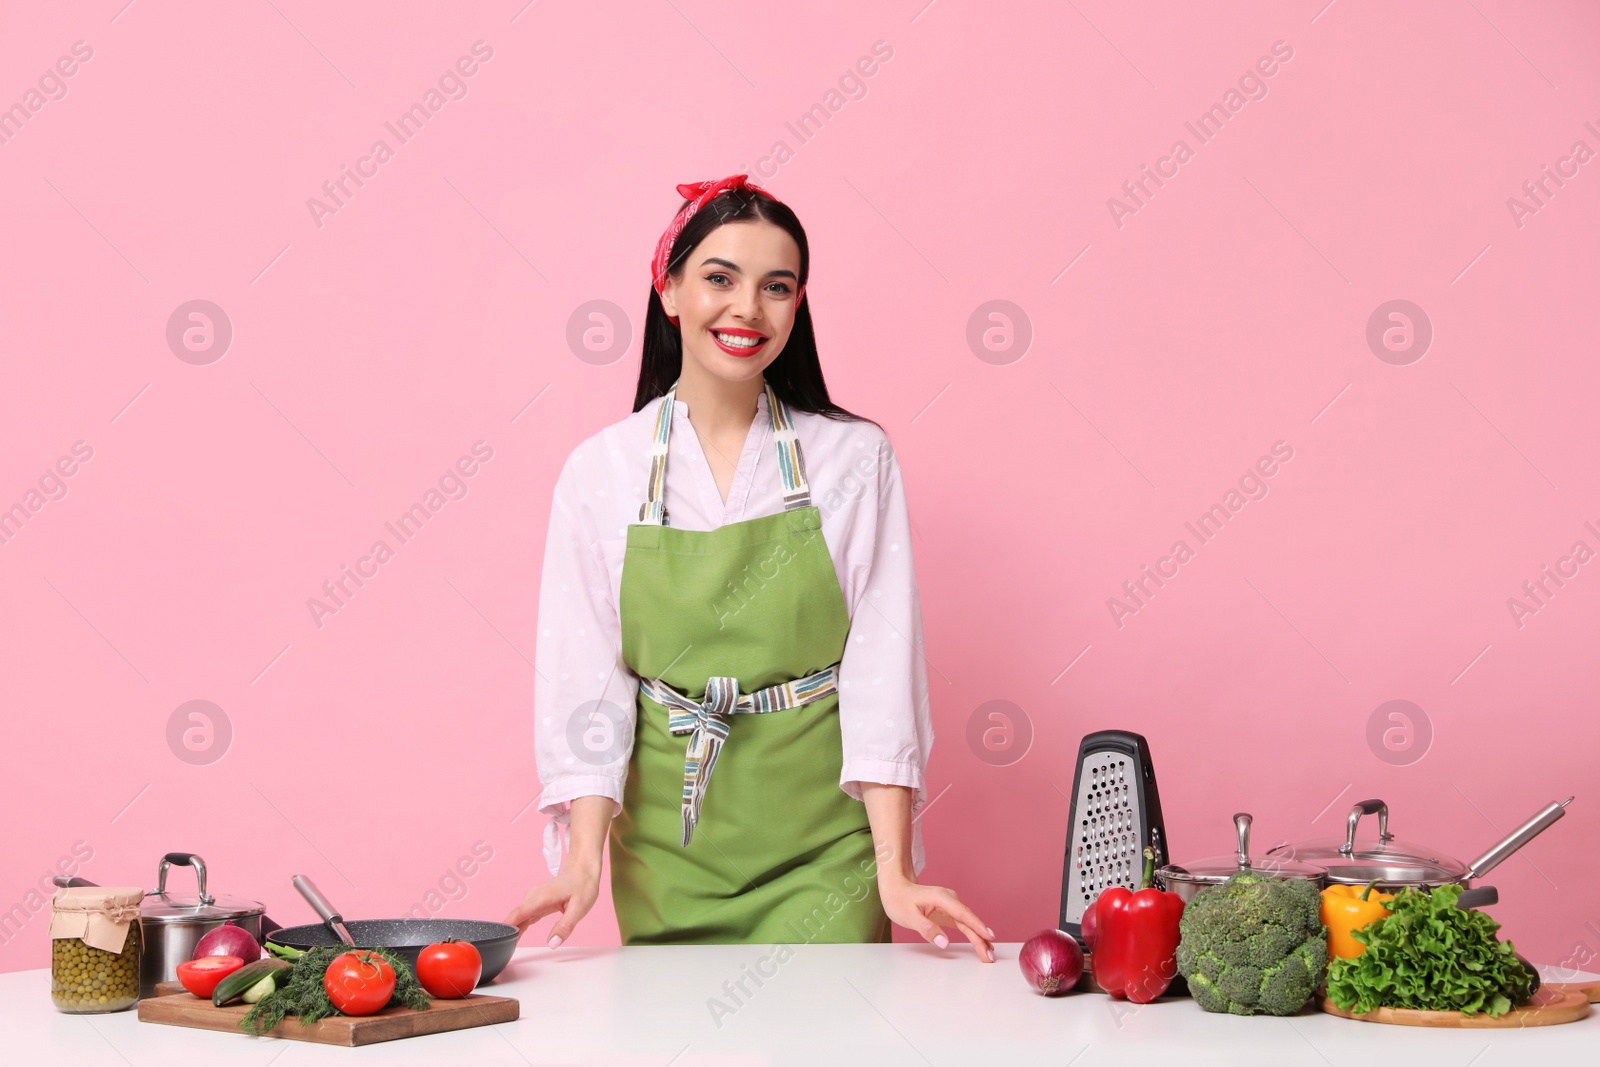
[(1253, 945)]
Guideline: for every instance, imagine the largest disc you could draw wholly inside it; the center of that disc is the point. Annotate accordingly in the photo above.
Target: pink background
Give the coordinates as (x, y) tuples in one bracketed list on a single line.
[(433, 310)]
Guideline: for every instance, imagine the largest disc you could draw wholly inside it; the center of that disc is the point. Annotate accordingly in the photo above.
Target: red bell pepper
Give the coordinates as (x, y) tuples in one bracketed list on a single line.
[(1136, 938)]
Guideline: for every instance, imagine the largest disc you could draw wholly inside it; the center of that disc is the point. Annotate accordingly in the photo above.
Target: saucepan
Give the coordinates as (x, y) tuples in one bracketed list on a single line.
[(1393, 864), (495, 942)]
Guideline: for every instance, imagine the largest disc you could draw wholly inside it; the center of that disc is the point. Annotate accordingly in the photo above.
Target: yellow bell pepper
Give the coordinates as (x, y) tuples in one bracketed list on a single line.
[(1347, 908)]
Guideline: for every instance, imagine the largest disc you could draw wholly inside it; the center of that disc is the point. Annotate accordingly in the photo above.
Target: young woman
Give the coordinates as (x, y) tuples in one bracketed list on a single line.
[(728, 588)]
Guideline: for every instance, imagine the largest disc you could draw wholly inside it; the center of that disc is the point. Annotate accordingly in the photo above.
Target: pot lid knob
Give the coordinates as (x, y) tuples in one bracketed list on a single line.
[(1241, 826)]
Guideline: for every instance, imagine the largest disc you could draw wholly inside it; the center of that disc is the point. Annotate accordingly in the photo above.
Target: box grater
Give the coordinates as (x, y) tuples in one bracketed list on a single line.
[(1115, 812)]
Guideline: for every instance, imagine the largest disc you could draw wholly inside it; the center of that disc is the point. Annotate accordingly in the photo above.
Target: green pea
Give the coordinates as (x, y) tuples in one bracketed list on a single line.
[(89, 979)]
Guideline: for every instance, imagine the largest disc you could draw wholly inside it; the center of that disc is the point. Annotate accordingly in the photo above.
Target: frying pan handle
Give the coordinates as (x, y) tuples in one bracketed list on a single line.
[(63, 882), (1366, 807), (1518, 837), (318, 902)]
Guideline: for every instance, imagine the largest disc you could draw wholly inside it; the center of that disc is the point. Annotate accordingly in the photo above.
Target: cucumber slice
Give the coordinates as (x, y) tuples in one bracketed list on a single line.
[(268, 983), (233, 987)]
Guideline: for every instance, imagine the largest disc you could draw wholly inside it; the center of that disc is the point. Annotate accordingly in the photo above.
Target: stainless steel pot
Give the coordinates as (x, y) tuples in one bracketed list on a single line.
[(1188, 879), (1393, 864), (172, 924)]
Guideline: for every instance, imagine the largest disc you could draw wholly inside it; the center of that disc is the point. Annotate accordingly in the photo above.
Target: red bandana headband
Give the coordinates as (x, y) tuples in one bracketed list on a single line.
[(698, 194)]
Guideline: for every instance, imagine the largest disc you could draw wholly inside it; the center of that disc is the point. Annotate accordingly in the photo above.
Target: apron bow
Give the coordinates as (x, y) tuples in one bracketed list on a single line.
[(706, 721), (707, 727)]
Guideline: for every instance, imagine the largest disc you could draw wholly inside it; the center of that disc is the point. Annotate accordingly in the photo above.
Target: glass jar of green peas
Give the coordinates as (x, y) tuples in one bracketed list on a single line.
[(94, 949)]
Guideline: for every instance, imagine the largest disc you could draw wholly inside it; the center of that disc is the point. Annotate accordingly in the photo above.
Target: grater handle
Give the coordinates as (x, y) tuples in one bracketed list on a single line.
[(1241, 827)]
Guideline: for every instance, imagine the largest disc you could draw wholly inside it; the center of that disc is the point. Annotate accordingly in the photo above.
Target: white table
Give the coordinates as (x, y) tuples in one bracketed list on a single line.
[(826, 1004)]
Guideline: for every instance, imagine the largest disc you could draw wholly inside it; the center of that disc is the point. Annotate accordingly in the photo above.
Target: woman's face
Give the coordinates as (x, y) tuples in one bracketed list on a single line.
[(738, 286)]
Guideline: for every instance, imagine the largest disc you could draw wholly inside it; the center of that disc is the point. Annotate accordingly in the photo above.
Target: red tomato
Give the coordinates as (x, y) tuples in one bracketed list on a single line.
[(202, 976), (449, 969), (359, 983)]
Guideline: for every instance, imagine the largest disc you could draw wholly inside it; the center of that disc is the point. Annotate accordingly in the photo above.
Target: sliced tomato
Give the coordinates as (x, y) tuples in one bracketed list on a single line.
[(201, 976), (359, 982), (449, 969)]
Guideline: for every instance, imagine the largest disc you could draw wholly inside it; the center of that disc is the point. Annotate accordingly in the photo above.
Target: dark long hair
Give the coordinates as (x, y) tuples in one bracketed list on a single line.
[(796, 375)]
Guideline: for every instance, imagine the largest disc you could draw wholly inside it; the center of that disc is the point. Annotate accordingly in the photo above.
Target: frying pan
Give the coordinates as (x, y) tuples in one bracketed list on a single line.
[(495, 942)]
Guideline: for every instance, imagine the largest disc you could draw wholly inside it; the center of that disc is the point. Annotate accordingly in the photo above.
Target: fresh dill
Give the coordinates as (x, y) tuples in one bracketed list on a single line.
[(303, 994)]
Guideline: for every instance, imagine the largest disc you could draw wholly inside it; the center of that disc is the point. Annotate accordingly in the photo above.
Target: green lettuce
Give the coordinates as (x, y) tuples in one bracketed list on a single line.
[(1429, 954)]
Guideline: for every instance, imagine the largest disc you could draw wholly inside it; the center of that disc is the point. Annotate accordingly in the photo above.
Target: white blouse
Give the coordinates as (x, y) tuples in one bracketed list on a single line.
[(856, 485)]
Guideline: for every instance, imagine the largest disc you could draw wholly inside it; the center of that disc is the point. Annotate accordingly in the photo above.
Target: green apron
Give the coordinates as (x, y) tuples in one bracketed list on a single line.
[(769, 850)]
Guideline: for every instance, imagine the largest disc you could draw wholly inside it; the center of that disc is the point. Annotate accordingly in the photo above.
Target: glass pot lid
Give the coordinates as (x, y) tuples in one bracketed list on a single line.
[(1217, 869), (1384, 860), (161, 906)]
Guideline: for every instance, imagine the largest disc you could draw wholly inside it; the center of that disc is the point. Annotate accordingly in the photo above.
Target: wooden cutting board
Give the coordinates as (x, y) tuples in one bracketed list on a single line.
[(1590, 989), (183, 1009), (1547, 1007)]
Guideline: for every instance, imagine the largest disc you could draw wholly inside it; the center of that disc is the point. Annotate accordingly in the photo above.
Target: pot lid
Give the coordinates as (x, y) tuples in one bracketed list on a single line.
[(1214, 870), (161, 906), (1384, 859)]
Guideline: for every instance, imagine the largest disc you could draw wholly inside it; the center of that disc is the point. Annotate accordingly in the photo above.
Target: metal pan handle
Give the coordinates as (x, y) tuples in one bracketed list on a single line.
[(322, 907), (61, 881), (319, 903), (1366, 807), (1517, 838)]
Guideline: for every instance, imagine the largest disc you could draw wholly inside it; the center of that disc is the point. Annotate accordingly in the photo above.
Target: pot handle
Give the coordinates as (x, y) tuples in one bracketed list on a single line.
[(1366, 807), (1241, 829), (1519, 837), (184, 859)]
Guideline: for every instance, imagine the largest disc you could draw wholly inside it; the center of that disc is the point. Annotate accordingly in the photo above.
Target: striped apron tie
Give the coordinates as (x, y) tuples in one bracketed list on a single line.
[(706, 723)]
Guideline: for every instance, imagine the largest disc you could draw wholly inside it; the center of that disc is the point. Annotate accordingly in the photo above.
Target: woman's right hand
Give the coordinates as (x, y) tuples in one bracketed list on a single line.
[(572, 893)]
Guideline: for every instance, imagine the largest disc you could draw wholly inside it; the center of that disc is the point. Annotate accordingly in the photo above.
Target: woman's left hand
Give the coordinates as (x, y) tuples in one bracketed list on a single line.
[(928, 908)]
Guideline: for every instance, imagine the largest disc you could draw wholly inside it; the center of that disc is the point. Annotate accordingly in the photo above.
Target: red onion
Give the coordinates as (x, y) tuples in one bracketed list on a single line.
[(228, 940), (1052, 962)]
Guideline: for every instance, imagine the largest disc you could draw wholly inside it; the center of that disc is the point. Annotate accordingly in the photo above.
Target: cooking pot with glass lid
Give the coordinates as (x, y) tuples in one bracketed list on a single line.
[(1187, 879), (1393, 863)]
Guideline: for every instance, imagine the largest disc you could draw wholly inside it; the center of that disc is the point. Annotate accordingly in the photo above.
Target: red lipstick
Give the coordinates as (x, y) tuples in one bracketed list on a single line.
[(743, 351)]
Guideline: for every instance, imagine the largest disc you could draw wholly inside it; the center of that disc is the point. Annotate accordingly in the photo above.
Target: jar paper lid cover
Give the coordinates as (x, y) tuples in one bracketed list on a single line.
[(98, 915)]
